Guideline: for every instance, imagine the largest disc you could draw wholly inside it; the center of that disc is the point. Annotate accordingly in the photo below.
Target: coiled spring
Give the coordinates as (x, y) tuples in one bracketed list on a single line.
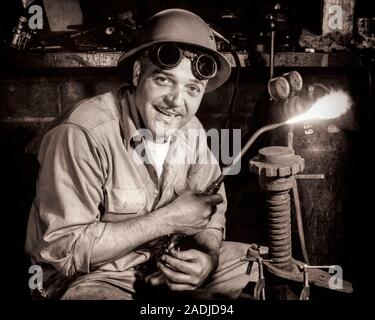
[(279, 229)]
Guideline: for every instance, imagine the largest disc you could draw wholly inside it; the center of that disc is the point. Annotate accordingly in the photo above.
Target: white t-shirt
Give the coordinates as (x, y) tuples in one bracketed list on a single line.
[(158, 152)]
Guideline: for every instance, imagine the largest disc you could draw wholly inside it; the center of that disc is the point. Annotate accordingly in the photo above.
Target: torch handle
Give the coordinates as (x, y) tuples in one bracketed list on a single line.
[(213, 188)]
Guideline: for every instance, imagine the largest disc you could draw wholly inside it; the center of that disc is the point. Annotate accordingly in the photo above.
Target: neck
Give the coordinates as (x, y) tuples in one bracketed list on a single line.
[(160, 140)]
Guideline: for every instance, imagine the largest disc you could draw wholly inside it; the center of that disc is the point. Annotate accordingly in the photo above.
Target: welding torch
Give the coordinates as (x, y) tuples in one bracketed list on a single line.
[(214, 187)]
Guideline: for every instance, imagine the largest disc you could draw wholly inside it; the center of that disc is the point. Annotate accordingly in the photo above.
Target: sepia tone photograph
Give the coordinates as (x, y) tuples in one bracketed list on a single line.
[(184, 150)]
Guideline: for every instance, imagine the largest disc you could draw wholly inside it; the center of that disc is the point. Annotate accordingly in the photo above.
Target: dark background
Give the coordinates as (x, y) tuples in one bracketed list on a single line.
[(332, 214)]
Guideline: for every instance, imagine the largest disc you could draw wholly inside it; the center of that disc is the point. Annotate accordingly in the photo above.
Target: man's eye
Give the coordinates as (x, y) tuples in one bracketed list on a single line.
[(163, 81), (194, 90)]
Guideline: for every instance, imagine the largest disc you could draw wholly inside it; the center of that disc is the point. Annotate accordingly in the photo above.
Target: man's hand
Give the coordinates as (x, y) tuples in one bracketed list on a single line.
[(190, 212), (185, 270)]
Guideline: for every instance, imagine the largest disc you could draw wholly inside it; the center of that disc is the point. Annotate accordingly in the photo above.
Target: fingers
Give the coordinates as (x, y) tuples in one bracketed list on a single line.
[(178, 281), (214, 199), (180, 286), (183, 270), (173, 276), (187, 255), (178, 264)]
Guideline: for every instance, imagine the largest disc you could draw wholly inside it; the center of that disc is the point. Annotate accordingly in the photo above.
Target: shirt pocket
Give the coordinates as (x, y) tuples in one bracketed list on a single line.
[(124, 201)]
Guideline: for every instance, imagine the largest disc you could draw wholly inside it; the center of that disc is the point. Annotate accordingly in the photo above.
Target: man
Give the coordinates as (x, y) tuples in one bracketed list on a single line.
[(111, 183)]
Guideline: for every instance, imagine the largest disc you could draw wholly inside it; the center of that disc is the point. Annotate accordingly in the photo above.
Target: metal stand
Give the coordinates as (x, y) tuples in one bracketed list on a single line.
[(276, 168)]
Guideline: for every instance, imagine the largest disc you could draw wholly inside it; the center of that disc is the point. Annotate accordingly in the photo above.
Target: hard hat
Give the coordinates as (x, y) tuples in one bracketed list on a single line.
[(184, 27)]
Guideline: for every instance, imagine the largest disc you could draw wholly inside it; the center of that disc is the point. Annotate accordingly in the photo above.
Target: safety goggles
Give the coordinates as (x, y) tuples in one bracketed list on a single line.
[(168, 56)]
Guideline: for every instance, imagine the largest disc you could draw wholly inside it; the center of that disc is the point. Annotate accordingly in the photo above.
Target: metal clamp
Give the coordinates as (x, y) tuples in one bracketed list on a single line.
[(305, 293), (260, 287)]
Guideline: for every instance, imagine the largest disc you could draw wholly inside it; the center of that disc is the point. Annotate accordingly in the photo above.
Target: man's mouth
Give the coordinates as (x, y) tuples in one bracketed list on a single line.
[(165, 112)]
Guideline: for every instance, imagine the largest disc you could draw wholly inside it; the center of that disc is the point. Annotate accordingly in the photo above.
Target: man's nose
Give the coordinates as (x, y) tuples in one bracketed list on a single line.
[(176, 98)]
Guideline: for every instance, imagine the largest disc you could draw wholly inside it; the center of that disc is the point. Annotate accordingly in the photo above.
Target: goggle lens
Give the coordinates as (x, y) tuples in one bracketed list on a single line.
[(168, 56), (205, 66)]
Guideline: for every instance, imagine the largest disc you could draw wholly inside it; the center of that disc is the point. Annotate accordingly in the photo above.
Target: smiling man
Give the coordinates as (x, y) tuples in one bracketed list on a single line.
[(111, 185)]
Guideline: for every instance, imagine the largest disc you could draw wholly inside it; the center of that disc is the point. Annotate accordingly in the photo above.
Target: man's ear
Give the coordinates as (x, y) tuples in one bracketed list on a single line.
[(136, 72)]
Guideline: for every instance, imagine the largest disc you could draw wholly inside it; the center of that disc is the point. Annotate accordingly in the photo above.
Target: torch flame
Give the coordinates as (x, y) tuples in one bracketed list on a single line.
[(330, 106)]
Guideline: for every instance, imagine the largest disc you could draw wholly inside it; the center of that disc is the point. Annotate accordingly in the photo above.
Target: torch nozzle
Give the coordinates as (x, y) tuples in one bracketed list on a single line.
[(251, 141)]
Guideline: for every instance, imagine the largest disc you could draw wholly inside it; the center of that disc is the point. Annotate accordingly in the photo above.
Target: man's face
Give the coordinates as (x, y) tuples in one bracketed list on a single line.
[(167, 99)]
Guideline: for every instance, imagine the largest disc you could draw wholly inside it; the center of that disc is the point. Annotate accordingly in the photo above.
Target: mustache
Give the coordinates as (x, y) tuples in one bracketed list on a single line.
[(171, 109)]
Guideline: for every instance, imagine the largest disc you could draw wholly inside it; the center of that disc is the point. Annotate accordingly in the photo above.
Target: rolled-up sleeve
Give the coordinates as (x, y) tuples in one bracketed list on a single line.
[(64, 222)]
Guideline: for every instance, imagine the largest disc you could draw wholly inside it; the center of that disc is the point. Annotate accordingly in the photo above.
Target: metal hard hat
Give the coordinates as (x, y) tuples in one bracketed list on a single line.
[(185, 27)]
